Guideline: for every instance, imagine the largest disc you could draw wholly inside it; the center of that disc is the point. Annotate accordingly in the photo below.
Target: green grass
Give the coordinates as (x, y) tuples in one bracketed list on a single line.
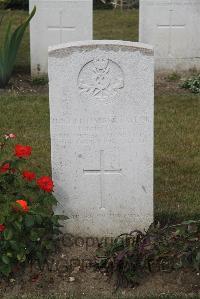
[(177, 156), (177, 126), (116, 24), (28, 117)]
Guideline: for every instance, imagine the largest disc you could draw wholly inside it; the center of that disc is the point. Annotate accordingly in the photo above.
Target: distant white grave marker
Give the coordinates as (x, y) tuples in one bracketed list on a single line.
[(171, 26), (61, 29), (101, 107), (56, 22)]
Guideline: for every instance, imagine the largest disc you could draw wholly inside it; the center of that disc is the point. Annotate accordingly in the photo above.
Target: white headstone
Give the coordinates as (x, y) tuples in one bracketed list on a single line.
[(173, 28), (56, 22), (101, 107)]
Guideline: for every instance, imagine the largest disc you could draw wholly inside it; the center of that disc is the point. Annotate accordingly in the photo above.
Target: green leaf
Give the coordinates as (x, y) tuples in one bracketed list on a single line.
[(8, 234), (9, 49), (5, 269), (9, 254), (62, 217), (5, 259), (29, 220), (34, 236), (198, 257), (21, 257), (13, 245), (18, 225), (38, 219), (189, 222)]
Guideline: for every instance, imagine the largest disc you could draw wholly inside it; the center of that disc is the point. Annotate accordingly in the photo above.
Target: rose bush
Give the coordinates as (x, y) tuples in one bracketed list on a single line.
[(28, 226)]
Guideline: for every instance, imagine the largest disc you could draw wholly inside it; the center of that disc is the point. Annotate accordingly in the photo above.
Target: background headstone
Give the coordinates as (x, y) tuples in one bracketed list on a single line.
[(57, 22), (173, 28), (101, 107)]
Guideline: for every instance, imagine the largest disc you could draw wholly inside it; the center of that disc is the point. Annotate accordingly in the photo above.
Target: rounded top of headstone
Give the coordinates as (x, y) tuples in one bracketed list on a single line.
[(107, 45)]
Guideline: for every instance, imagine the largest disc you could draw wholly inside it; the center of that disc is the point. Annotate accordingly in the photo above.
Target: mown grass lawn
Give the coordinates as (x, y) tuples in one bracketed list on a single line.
[(177, 157), (177, 126)]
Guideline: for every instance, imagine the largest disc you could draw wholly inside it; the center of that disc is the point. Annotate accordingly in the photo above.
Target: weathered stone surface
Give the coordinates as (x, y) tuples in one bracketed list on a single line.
[(101, 107), (56, 22), (172, 27)]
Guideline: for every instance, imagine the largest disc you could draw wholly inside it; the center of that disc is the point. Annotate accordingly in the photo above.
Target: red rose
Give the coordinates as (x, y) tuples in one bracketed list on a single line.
[(4, 168), (22, 151), (2, 228), (23, 205), (45, 183), (28, 175)]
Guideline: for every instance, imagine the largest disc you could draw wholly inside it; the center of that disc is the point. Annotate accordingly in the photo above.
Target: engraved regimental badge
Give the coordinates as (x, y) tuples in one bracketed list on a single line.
[(100, 79)]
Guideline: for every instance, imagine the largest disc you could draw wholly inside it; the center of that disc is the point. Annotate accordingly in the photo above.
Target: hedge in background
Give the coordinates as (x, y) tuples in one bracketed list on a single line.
[(24, 4), (14, 4), (98, 4)]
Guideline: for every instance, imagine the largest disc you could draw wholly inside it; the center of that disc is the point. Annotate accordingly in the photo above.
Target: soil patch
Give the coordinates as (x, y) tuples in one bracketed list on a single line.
[(70, 271), (22, 84)]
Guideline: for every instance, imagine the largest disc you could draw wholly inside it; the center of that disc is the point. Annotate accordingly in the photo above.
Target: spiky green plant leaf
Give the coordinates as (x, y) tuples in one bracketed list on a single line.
[(9, 49)]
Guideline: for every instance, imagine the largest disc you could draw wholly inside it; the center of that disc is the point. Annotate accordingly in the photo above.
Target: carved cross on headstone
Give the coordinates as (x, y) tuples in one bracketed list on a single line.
[(61, 28), (102, 172), (171, 25)]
